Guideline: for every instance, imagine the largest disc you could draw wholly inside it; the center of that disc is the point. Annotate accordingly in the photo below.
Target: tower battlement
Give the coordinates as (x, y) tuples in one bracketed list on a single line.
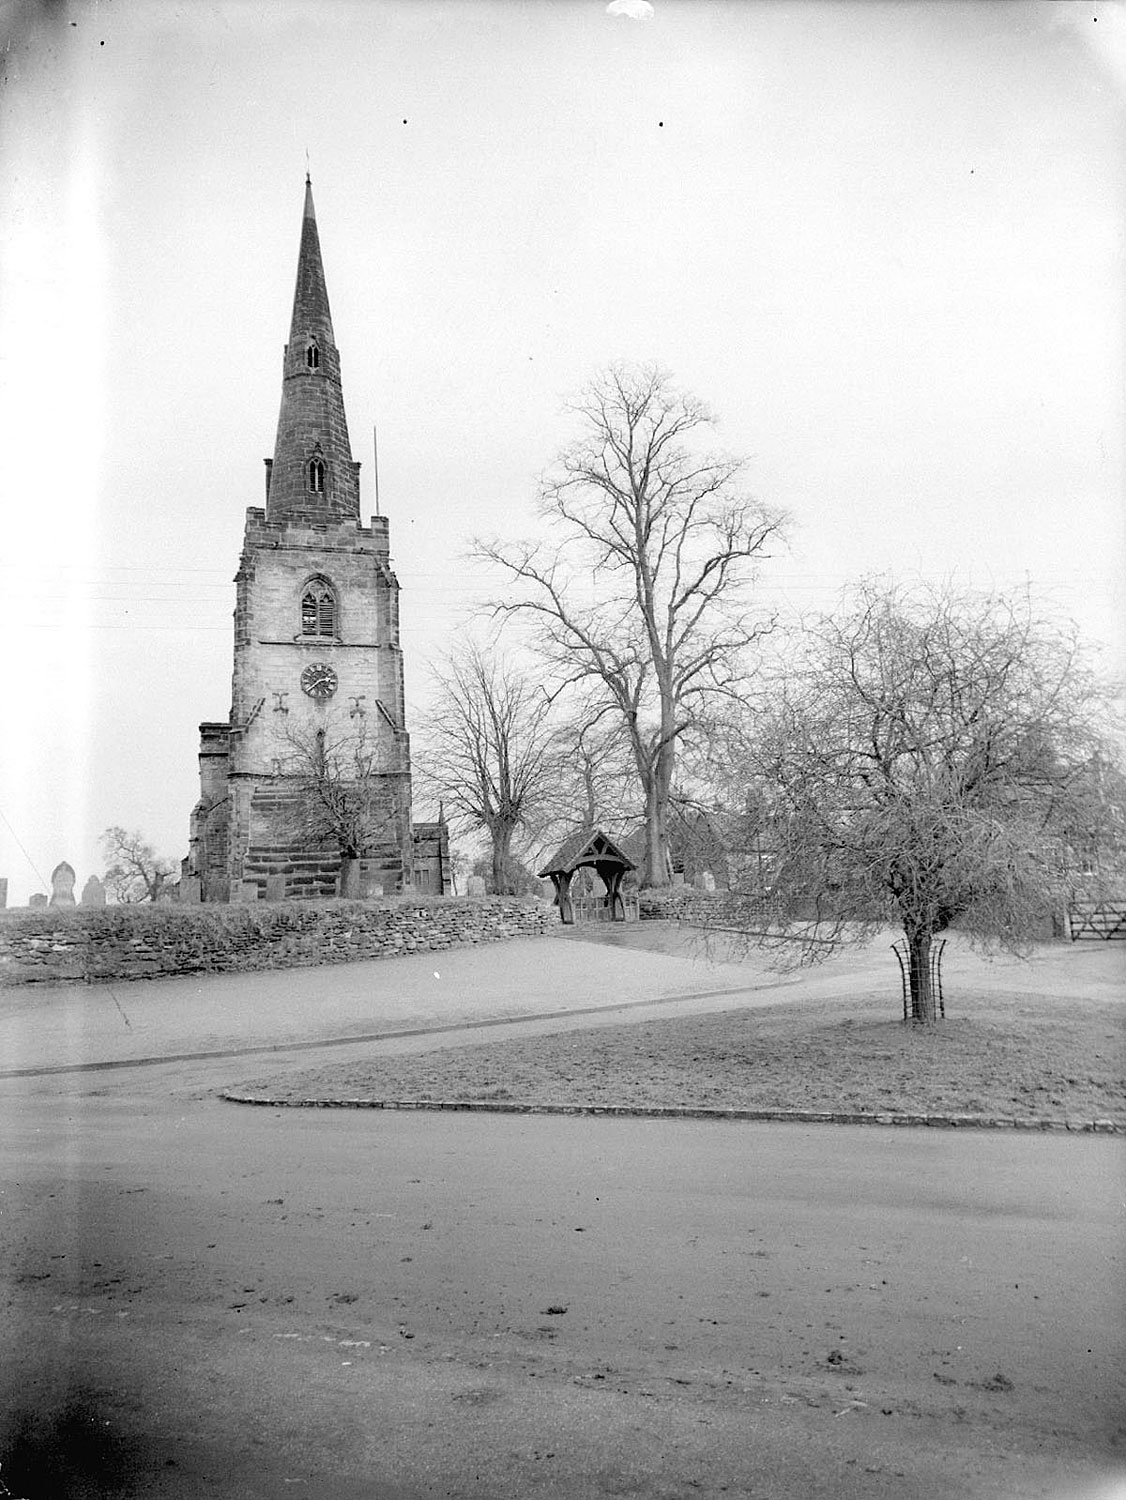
[(301, 527)]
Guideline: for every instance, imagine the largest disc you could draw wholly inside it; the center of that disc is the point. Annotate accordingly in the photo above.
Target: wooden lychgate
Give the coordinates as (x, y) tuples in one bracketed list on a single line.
[(595, 850)]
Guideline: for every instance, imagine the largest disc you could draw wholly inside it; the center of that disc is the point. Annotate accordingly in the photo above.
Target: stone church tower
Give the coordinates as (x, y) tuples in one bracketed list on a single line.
[(317, 688)]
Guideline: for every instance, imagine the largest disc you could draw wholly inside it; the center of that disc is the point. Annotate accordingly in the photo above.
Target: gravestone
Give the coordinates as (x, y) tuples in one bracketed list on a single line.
[(93, 892), (3, 892), (275, 887), (475, 885), (62, 885), (191, 890), (705, 881), (39, 899), (244, 890)]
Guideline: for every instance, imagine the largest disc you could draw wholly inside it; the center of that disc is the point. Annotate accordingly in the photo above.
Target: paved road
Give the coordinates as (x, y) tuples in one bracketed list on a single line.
[(207, 1300)]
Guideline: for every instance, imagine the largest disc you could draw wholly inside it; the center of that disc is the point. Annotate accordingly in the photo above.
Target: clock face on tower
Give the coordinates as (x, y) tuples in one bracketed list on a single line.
[(318, 680)]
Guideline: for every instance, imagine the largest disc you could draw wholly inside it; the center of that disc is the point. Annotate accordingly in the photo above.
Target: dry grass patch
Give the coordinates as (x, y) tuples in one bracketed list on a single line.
[(1007, 1055)]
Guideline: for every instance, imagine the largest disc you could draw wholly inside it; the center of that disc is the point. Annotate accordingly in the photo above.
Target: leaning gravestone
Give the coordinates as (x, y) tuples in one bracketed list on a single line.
[(93, 892), (62, 885), (475, 885), (705, 881), (39, 899)]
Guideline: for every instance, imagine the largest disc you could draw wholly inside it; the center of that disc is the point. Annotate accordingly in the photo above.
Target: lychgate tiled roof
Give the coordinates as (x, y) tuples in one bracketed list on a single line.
[(590, 846)]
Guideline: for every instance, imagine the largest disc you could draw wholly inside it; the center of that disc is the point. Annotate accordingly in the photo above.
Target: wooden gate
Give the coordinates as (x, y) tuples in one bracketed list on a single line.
[(593, 908), (1102, 919)]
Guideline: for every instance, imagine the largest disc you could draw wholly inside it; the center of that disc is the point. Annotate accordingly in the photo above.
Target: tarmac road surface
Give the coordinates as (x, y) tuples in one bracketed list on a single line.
[(202, 1299)]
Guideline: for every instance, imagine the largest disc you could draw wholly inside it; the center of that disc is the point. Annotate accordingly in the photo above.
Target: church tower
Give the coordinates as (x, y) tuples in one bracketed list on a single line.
[(317, 713)]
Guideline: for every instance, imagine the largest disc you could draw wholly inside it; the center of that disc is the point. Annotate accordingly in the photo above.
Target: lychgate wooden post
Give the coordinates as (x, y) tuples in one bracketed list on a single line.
[(561, 880)]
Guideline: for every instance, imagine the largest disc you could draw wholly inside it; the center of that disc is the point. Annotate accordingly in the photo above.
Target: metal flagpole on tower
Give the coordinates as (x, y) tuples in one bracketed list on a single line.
[(375, 449)]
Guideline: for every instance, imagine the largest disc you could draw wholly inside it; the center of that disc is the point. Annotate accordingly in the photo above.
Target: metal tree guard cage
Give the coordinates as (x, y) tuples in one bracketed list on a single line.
[(903, 956)]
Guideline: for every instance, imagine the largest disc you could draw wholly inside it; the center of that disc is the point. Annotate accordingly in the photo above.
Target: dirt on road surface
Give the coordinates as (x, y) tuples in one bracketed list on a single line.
[(380, 1305)]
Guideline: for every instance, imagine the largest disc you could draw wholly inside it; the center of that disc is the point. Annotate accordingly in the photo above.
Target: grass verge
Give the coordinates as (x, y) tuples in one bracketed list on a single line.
[(1005, 1055)]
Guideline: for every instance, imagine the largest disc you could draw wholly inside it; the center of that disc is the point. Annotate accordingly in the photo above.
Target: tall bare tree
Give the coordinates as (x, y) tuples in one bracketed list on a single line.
[(931, 758), (639, 588), (597, 783), (487, 749), (135, 872)]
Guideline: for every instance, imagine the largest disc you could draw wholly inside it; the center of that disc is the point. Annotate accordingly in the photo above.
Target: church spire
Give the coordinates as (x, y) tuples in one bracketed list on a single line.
[(313, 476), (310, 298)]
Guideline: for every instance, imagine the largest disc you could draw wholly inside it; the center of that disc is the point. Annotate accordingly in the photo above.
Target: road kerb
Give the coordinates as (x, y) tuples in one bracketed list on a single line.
[(692, 1112)]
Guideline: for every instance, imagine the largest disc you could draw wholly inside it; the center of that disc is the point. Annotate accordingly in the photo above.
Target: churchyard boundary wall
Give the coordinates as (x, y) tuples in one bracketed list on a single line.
[(684, 903), (143, 942), (721, 909)]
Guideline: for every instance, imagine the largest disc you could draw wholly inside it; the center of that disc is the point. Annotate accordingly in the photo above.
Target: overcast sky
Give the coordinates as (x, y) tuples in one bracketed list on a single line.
[(883, 241)]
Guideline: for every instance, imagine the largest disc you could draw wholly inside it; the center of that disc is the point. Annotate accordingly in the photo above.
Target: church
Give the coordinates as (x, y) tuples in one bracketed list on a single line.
[(305, 790)]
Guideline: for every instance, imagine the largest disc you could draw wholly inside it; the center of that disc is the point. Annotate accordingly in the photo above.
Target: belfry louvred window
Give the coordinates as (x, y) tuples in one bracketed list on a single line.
[(318, 609), (317, 476)]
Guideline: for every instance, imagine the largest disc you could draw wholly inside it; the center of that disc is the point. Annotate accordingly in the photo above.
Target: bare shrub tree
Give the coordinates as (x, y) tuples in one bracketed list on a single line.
[(342, 794), (135, 873), (487, 750), (931, 758), (639, 588)]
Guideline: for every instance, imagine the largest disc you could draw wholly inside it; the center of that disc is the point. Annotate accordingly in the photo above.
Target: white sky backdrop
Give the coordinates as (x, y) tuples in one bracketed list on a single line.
[(884, 242)]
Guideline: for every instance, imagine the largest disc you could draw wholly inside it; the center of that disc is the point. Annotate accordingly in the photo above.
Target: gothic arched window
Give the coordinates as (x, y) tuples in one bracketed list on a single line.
[(313, 357), (318, 608), (317, 476)]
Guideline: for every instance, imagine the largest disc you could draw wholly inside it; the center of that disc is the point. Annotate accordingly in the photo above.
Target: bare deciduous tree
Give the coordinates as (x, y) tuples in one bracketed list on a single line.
[(135, 872), (930, 759), (639, 589), (487, 749), (597, 783), (342, 795)]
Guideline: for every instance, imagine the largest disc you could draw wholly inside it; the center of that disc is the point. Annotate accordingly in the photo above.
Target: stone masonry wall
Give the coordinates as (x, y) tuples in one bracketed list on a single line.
[(686, 904), (143, 942), (723, 909)]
